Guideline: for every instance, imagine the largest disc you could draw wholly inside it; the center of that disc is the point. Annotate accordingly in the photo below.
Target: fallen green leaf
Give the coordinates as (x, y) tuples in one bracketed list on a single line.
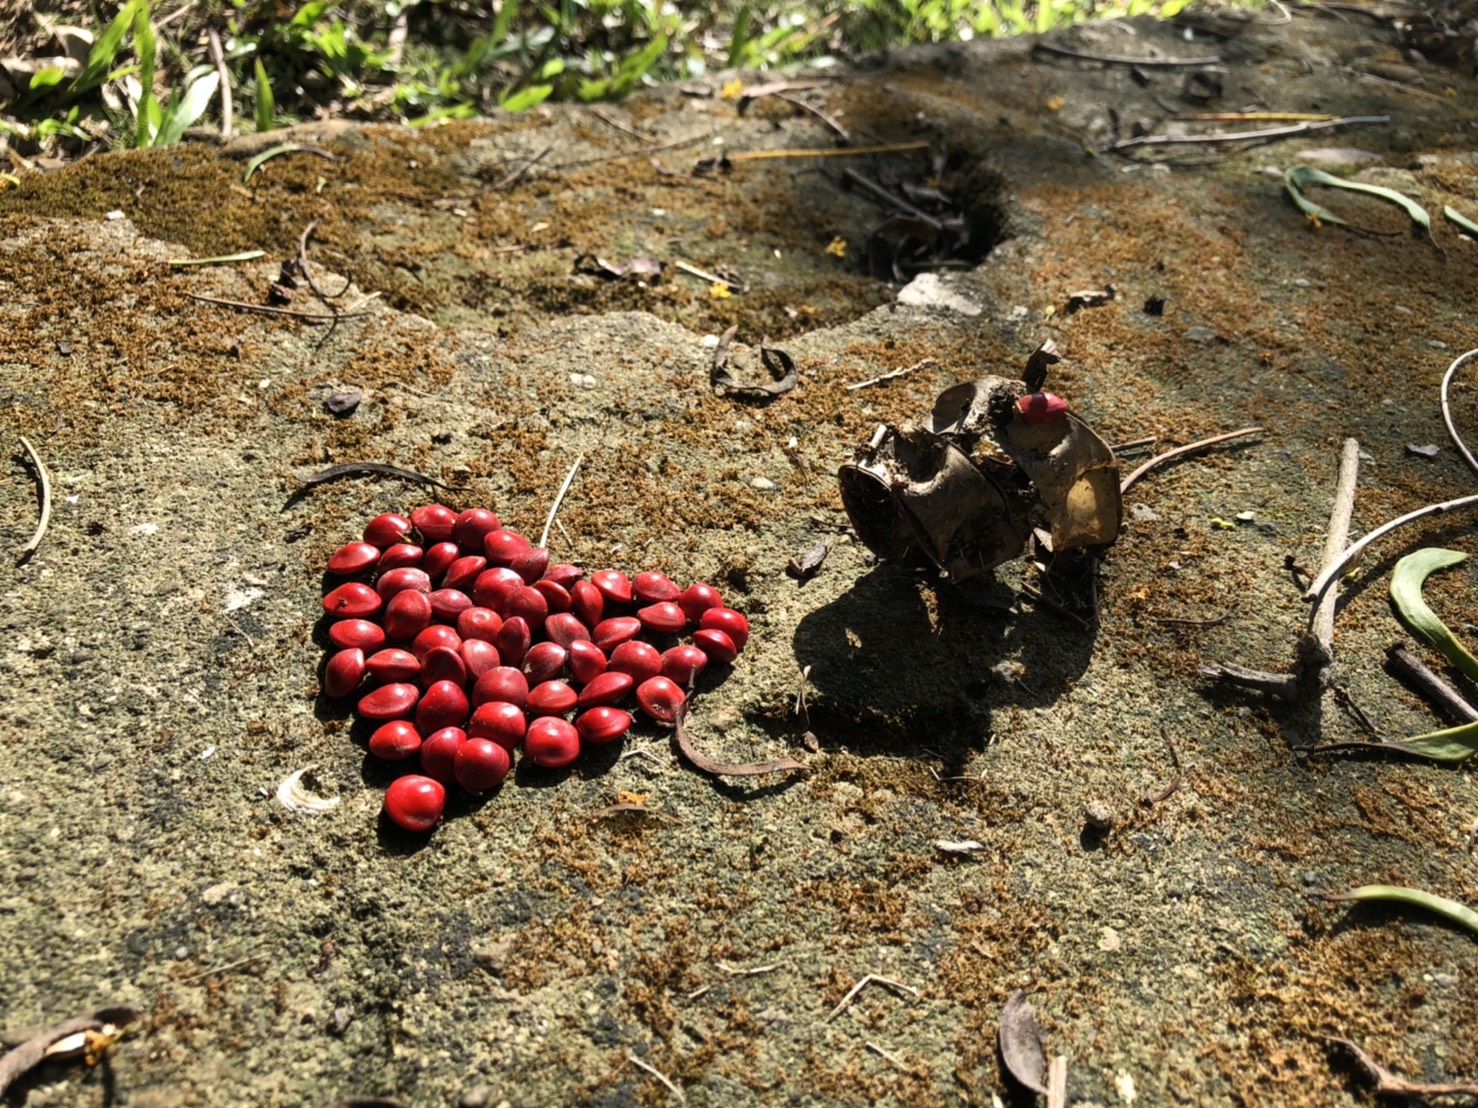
[(1297, 177), (1461, 220), (266, 156), (1406, 593), (1456, 744), (222, 259), (1460, 914)]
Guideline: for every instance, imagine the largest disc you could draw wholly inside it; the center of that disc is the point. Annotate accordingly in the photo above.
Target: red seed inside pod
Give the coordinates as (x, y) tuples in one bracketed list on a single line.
[(502, 683), (472, 525), (391, 664), (551, 742), (402, 580), (586, 603), (586, 661), (479, 623), (395, 741), (344, 672), (682, 664), (436, 522), (697, 599), (438, 634), (660, 698), (354, 557), (531, 564), (444, 663), (482, 765), (611, 633), (448, 604), (728, 621), (662, 618), (415, 802), (439, 559), (1041, 407), (439, 753), (407, 615), (356, 632), (614, 585), (556, 596), (551, 698), (607, 689), (503, 546), (514, 640), (493, 587), (530, 604), (717, 645), (563, 628), (395, 701), (444, 705), (386, 530), (462, 574), (544, 661), (399, 556), (352, 600), (565, 574), (499, 721), (479, 657), (639, 659), (651, 586), (602, 725)]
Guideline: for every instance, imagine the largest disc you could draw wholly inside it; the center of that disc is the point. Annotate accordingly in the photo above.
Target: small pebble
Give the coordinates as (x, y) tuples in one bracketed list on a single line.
[(1098, 816)]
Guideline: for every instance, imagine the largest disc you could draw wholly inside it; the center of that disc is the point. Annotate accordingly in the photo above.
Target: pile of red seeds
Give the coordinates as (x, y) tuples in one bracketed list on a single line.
[(460, 643)]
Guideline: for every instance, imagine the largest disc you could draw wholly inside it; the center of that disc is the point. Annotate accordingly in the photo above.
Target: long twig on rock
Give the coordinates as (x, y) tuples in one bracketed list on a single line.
[(1246, 136), (264, 309), (1321, 624), (1457, 440), (705, 764), (1114, 59), (1389, 1084), (1331, 573), (1181, 452), (219, 57), (43, 481), (1437, 691)]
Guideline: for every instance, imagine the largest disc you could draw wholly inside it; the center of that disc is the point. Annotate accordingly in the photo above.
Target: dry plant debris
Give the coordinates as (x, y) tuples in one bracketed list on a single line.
[(99, 1030), (1388, 1084), (1023, 1047)]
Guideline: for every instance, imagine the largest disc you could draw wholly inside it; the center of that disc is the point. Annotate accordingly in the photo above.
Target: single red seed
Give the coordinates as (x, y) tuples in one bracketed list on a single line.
[(639, 659), (407, 615), (354, 557), (530, 604), (415, 802), (607, 689), (611, 633), (503, 546), (697, 599), (479, 623), (356, 632), (1041, 407), (564, 628), (551, 742), (551, 698), (602, 725), (391, 664), (556, 596), (503, 683), (531, 564), (352, 600), (344, 672), (472, 525), (463, 573), (444, 705), (544, 661), (403, 579), (565, 574), (448, 604), (399, 556), (513, 640), (481, 765), (662, 618), (660, 698), (717, 645), (728, 621), (439, 558), (386, 530), (438, 634), (395, 741), (436, 522), (586, 603), (479, 656), (652, 586), (493, 587), (499, 721), (586, 661), (682, 664), (395, 701), (439, 753), (614, 585), (444, 663)]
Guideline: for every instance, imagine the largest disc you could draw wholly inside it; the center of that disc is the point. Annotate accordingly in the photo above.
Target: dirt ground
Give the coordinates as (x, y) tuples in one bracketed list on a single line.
[(161, 651)]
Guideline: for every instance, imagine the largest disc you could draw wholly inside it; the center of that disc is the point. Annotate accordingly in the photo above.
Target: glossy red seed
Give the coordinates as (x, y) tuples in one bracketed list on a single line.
[(586, 603), (395, 741), (565, 574), (444, 664), (607, 689), (697, 599), (400, 555), (344, 672), (551, 698), (482, 765), (660, 698), (503, 683), (439, 753), (395, 701), (479, 657), (493, 587), (614, 585), (682, 664), (391, 664), (463, 573), (586, 661), (563, 628), (472, 525), (662, 618), (386, 530), (448, 604), (639, 659), (499, 721), (439, 558), (544, 661), (728, 621), (611, 633), (513, 640), (602, 725), (436, 522), (1041, 407), (503, 546), (444, 705), (551, 742), (407, 615), (415, 802), (438, 634), (408, 578), (652, 586), (356, 632), (531, 564), (479, 623), (556, 596), (354, 557), (717, 645), (528, 603), (352, 600)]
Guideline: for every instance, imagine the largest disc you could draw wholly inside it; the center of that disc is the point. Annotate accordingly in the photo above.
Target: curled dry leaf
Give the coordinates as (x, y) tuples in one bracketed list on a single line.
[(106, 1023), (780, 365), (636, 267), (1022, 1047), (295, 796)]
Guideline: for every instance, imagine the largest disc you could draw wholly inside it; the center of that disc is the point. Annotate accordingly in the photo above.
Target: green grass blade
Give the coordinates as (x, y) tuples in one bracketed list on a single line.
[(527, 98), (266, 156), (266, 103), (1410, 574), (1299, 176), (149, 116), (1459, 914), (105, 49), (220, 259), (1461, 220), (1456, 744), (185, 110)]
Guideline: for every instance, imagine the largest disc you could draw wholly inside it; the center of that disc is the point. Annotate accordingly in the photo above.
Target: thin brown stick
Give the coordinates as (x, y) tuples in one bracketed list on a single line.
[(612, 121), (1457, 440), (655, 1072), (1332, 572), (43, 482), (871, 979), (1046, 602), (1133, 444), (842, 152), (1114, 59), (379, 469), (705, 764), (1437, 691), (1246, 136), (308, 273), (517, 175), (1181, 452), (880, 193), (20, 1061), (219, 57), (841, 132), (581, 163), (263, 309), (886, 1055), (1389, 1084), (1321, 622), (891, 374), (1173, 621), (227, 968)]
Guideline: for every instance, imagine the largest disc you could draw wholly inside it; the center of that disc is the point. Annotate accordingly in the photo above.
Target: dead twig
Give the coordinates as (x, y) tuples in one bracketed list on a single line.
[(887, 1056), (879, 193), (891, 374), (381, 469), (108, 1022), (705, 764), (559, 499), (612, 121), (655, 1072), (1437, 691), (694, 271), (517, 175), (617, 809), (1457, 440), (1247, 136), (248, 960), (1332, 572), (841, 132), (1036, 595), (218, 56), (842, 152), (1389, 1084), (1181, 452), (1057, 1082), (581, 163), (308, 273), (1196, 623), (43, 482), (263, 309), (871, 979), (1114, 59)]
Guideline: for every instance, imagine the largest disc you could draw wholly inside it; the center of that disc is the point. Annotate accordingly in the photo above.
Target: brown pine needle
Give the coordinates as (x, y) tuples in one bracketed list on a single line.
[(844, 152), (1181, 452)]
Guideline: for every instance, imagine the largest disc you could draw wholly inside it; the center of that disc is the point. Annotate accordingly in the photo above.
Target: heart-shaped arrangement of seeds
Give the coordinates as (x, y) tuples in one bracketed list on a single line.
[(461, 644)]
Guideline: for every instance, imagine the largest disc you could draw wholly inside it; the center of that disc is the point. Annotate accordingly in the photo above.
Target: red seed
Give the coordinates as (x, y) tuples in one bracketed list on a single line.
[(514, 640), (717, 645), (563, 628), (611, 633), (652, 586), (551, 698), (448, 604), (501, 683), (493, 587), (438, 634), (565, 574), (528, 603), (395, 741), (639, 659), (463, 573), (531, 564), (607, 689), (481, 765), (551, 742), (682, 664), (444, 705), (403, 579), (436, 522), (728, 621), (697, 599), (499, 721), (1041, 407), (614, 585), (479, 623), (439, 753), (354, 557), (479, 657), (415, 802), (444, 663), (662, 618), (387, 530), (660, 698), (395, 701), (398, 556), (391, 664), (544, 661), (352, 600), (472, 525), (439, 558), (407, 615), (602, 725), (344, 672), (556, 596), (586, 661), (586, 603), (503, 546), (356, 632)]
